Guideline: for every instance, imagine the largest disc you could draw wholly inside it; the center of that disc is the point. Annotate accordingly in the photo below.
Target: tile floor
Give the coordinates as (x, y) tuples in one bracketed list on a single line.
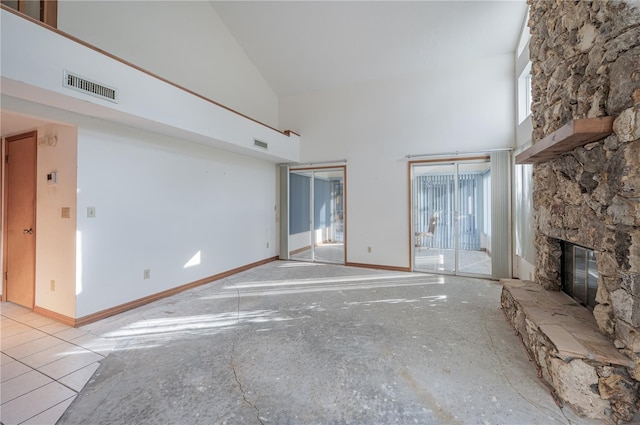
[(43, 365)]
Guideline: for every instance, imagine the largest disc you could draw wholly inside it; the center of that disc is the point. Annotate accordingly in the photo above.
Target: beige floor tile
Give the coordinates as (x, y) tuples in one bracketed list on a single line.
[(21, 338), (12, 369), (70, 364), (71, 333), (49, 355), (16, 329), (54, 327), (32, 347), (23, 384), (4, 359), (50, 416), (27, 317), (5, 322), (78, 379), (13, 310), (39, 322), (34, 403)]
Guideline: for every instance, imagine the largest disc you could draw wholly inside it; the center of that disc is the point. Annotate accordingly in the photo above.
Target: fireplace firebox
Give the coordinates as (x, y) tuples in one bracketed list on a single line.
[(579, 273)]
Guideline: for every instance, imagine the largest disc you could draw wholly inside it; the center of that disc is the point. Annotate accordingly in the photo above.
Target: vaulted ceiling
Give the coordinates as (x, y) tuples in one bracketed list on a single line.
[(303, 46)]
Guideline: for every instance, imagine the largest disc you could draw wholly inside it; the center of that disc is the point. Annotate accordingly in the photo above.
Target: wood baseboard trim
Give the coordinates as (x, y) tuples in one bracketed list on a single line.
[(70, 321), (379, 267), (167, 293)]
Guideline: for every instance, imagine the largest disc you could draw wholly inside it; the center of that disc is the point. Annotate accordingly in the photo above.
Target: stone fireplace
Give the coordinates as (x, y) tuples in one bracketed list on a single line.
[(586, 64)]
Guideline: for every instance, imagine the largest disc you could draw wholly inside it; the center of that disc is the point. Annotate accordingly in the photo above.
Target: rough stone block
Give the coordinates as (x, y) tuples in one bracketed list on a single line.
[(603, 314), (631, 283), (633, 251), (624, 75), (623, 211), (574, 382), (628, 335), (607, 264), (621, 392), (627, 125), (586, 37), (622, 303)]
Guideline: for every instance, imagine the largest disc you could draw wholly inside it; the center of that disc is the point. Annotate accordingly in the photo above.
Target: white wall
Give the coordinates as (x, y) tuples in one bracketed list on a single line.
[(144, 102), (182, 41), (374, 126), (56, 236), (160, 203), (524, 252)]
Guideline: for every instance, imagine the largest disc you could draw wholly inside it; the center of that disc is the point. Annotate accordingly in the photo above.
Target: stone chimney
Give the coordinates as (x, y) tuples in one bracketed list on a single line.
[(585, 64)]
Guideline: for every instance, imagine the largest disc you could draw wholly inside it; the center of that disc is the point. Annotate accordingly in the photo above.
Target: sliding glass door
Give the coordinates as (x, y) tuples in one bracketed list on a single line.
[(451, 217), (316, 215)]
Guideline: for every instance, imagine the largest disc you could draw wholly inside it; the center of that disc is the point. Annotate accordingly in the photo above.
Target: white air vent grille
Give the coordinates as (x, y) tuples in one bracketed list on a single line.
[(92, 88), (260, 144)]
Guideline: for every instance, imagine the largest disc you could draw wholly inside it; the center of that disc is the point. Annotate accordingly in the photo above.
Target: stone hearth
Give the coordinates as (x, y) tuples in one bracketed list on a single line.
[(582, 368)]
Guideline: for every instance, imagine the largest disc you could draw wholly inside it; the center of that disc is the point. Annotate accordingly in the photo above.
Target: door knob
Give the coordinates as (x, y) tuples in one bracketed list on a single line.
[(27, 232)]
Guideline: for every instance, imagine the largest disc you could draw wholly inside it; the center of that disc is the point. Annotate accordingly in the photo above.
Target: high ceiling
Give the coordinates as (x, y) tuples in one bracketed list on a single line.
[(303, 46)]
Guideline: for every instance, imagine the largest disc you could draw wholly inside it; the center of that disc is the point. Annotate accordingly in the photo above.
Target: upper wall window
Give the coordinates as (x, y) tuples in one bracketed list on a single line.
[(45, 11), (524, 94)]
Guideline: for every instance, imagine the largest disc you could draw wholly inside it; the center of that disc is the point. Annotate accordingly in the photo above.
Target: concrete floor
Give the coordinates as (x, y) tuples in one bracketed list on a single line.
[(301, 343)]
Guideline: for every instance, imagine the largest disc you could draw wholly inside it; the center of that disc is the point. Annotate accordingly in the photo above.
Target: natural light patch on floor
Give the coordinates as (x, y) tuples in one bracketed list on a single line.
[(302, 286), (194, 261), (389, 301), (325, 280), (155, 332)]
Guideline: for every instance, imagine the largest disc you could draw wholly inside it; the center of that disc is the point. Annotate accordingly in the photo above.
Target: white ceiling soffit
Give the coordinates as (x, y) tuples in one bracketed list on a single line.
[(303, 46), (12, 123)]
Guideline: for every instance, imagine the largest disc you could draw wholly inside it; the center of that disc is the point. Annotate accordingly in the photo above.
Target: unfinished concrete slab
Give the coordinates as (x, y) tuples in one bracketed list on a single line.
[(302, 343)]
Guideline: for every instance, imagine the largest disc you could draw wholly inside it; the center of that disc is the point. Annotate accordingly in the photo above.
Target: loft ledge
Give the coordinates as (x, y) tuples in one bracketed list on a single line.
[(575, 133)]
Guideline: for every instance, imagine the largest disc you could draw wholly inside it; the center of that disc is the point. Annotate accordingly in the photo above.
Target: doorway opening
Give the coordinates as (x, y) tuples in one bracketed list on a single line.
[(451, 217), (317, 230)]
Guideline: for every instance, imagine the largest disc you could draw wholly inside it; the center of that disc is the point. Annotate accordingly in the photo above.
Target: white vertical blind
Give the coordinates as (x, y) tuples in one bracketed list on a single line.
[(501, 214)]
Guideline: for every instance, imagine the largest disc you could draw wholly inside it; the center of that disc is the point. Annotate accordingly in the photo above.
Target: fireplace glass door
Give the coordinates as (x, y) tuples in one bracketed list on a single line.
[(579, 273)]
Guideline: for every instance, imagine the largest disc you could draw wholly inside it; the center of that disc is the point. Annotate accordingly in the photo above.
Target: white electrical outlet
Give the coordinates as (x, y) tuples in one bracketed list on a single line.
[(267, 244), (147, 274), (369, 249)]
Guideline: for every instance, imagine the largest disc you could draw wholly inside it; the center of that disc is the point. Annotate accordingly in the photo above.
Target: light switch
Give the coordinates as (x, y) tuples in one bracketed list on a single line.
[(65, 212), (91, 212), (52, 177)]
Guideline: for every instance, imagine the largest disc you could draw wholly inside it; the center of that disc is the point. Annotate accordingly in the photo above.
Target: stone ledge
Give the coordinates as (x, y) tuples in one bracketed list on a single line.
[(571, 354), (570, 327)]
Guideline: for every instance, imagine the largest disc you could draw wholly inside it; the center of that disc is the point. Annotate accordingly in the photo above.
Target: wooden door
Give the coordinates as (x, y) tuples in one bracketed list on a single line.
[(21, 219)]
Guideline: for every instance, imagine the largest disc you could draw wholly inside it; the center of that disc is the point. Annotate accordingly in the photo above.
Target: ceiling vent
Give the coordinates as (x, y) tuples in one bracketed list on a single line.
[(260, 144), (92, 88)]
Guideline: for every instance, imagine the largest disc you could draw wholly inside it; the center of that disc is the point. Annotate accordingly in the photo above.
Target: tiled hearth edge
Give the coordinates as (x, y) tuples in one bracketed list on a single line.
[(582, 368)]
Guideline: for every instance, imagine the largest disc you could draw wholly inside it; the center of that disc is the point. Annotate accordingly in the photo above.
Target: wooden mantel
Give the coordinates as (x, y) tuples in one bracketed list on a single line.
[(568, 137)]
